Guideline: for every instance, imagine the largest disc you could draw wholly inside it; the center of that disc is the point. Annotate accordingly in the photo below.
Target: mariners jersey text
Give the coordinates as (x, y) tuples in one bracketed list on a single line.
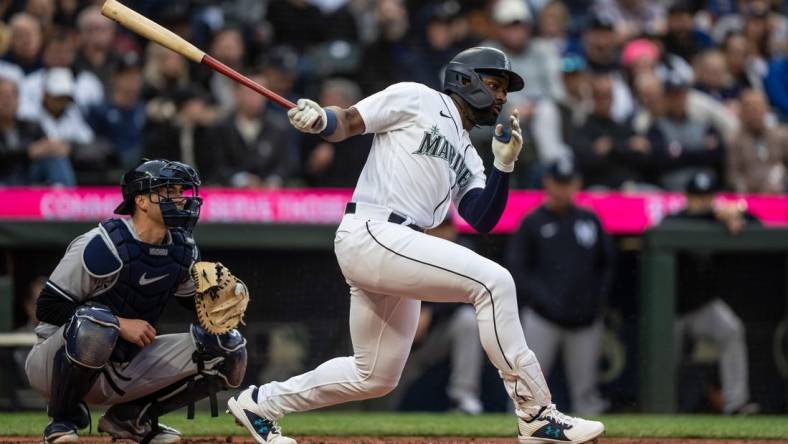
[(433, 144)]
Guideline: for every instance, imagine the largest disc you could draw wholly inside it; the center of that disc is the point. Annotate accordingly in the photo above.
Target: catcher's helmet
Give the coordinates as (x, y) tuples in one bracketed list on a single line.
[(150, 175), (463, 75)]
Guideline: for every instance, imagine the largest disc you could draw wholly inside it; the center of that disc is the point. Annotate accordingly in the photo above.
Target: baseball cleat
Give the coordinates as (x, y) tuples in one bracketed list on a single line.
[(243, 407), (552, 426), (128, 429), (58, 432)]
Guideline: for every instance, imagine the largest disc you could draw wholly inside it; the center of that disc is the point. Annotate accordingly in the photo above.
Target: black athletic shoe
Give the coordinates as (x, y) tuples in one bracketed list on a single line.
[(58, 432)]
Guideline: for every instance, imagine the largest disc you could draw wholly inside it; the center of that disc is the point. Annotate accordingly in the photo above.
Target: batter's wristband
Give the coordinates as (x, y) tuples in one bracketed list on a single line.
[(331, 123)]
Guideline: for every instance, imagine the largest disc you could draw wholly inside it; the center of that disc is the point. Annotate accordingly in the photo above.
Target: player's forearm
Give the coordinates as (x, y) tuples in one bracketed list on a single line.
[(346, 123), (53, 308), (482, 208)]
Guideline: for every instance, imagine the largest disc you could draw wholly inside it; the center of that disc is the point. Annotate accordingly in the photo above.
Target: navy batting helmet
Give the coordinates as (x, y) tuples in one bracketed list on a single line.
[(149, 176), (463, 75)]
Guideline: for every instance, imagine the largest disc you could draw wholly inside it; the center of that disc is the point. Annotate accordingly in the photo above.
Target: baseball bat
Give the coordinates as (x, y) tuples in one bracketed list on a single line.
[(133, 20)]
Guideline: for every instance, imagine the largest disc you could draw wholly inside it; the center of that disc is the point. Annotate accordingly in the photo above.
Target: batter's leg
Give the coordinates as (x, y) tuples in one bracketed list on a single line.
[(382, 329), (403, 262), (398, 261)]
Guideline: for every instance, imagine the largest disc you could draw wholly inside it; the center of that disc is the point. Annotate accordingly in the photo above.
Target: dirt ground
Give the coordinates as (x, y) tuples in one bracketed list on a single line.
[(394, 440)]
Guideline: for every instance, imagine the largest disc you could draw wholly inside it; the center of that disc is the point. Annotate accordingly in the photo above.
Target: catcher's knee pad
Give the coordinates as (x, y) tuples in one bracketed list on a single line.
[(91, 336), (222, 355)]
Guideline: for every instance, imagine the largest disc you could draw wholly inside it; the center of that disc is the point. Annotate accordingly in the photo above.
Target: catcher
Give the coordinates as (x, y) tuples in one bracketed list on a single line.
[(99, 310)]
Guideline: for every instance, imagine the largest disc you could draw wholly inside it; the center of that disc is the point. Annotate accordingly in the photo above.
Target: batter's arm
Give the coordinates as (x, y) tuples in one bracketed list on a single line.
[(348, 123), (332, 123), (483, 207)]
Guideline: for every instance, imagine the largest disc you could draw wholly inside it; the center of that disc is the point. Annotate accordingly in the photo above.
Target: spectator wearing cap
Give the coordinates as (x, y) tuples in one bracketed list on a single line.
[(643, 56), (59, 117), (563, 261), (96, 35), (555, 120), (59, 52), (119, 121), (601, 49), (26, 155), (609, 153), (700, 312), (758, 157), (691, 143), (682, 37), (633, 17), (650, 90), (538, 62), (257, 148), (281, 68), (335, 164)]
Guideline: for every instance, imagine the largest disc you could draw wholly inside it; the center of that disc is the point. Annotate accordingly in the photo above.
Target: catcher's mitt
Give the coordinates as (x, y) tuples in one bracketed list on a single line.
[(221, 297)]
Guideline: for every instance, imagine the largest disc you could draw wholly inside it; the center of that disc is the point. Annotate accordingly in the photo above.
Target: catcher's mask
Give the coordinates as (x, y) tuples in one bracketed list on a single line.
[(464, 73), (150, 177)]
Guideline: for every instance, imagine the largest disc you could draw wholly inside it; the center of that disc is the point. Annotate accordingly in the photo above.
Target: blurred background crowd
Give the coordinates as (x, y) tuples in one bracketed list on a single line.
[(642, 94)]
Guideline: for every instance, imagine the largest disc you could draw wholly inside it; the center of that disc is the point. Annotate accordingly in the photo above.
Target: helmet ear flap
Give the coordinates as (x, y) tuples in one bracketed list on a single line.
[(467, 83)]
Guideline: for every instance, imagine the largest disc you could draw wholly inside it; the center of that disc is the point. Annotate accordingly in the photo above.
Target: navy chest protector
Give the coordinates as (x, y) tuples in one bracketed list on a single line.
[(148, 275)]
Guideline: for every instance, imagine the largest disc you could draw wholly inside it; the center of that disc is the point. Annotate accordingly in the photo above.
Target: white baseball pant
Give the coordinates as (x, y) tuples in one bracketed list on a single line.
[(391, 268)]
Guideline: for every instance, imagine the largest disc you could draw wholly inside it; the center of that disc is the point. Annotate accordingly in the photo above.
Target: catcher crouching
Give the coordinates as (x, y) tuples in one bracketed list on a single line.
[(99, 310)]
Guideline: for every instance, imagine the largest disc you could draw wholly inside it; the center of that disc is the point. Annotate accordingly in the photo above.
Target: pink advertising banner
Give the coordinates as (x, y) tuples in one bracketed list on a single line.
[(620, 213)]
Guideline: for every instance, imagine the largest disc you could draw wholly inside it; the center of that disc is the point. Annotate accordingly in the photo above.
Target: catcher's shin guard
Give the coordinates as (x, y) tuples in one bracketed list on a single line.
[(70, 383), (90, 338), (230, 349)]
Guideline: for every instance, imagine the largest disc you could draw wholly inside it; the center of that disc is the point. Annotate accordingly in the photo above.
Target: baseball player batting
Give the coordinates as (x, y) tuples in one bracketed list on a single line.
[(97, 341), (421, 161)]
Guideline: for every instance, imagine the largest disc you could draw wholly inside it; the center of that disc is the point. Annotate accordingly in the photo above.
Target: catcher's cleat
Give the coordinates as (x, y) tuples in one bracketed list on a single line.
[(243, 407), (128, 429), (58, 432), (552, 426)]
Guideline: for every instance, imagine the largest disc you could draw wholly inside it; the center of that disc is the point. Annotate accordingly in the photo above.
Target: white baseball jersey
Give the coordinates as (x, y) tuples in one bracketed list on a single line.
[(421, 159)]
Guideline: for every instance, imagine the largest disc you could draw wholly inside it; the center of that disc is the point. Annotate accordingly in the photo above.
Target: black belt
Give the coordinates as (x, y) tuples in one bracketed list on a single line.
[(394, 218)]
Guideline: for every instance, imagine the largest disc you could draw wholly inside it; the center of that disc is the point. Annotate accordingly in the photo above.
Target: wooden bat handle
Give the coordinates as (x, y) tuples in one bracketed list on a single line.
[(246, 81)]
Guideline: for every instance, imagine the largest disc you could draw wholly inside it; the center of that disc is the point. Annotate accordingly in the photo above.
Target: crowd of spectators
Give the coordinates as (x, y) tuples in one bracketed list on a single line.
[(641, 93)]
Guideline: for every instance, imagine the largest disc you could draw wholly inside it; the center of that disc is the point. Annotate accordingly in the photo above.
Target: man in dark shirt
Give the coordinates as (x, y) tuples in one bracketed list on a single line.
[(609, 153), (562, 260), (257, 149), (700, 313)]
